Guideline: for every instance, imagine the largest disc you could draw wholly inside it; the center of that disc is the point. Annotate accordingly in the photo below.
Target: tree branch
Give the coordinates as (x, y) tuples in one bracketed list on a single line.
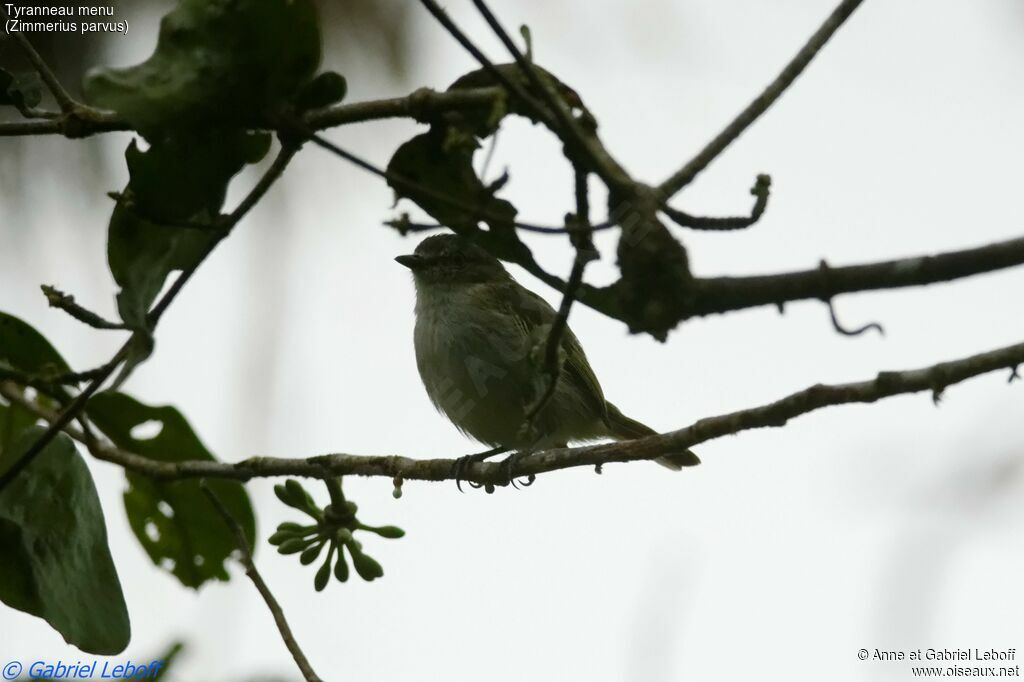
[(261, 586), (66, 416), (935, 378), (577, 142), (66, 302), (761, 103), (724, 294), (421, 105), (462, 39), (64, 100), (580, 235)]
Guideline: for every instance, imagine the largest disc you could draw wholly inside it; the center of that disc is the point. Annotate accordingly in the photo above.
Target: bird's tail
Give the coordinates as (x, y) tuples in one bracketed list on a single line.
[(622, 427)]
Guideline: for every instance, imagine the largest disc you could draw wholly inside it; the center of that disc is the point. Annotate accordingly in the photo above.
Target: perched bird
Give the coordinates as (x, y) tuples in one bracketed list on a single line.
[(479, 339)]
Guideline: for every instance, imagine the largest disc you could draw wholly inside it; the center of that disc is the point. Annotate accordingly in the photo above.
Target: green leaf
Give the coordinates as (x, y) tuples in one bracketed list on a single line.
[(14, 419), (56, 563), (216, 61), (484, 122), (24, 349), (173, 519), (141, 255), (439, 163), (179, 178), (22, 91)]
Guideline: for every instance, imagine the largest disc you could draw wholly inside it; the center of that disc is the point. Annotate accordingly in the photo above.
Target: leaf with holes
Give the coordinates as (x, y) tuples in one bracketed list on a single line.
[(173, 519), (53, 540), (435, 170), (216, 62)]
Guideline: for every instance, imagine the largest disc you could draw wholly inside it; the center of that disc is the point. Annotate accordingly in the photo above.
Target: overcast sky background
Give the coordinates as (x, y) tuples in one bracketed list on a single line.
[(895, 525)]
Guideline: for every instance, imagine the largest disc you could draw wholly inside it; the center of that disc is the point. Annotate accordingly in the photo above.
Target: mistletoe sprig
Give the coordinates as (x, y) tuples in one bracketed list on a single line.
[(333, 528)]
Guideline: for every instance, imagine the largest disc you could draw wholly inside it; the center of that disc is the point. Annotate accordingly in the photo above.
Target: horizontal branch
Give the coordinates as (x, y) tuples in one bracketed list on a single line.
[(75, 125), (723, 294), (935, 378), (421, 104)]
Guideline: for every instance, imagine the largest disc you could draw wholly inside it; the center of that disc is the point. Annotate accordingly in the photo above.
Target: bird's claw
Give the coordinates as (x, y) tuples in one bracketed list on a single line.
[(459, 467), (507, 465)]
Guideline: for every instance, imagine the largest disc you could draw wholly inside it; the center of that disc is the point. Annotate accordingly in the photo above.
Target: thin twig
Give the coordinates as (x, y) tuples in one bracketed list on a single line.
[(58, 299), (761, 103), (404, 225), (261, 586), (837, 325), (584, 254), (276, 169), (760, 190)]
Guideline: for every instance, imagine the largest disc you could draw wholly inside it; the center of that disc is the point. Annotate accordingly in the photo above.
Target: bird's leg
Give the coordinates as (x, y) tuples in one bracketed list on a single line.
[(459, 467)]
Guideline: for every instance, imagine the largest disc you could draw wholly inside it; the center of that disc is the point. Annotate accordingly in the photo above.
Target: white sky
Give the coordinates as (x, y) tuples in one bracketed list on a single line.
[(894, 526)]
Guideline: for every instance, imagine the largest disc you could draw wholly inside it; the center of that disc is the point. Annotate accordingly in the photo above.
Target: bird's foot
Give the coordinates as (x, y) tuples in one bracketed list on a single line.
[(459, 467), (508, 464)]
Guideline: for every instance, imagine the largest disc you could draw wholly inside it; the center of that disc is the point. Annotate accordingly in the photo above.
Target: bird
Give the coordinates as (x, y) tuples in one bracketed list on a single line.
[(479, 340)]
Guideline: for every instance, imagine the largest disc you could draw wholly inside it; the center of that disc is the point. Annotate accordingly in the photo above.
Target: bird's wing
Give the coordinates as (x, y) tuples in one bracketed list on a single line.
[(530, 312)]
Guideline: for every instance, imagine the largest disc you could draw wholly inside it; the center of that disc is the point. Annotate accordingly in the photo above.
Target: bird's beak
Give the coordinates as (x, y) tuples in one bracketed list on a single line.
[(412, 261)]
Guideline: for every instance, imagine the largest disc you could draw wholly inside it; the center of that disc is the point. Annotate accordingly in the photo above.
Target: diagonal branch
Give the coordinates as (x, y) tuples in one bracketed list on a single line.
[(462, 39), (77, 406), (762, 102), (935, 379), (261, 586), (64, 100), (574, 138), (67, 415)]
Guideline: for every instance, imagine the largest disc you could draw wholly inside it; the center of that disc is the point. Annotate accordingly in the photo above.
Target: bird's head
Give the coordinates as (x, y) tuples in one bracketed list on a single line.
[(451, 259)]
